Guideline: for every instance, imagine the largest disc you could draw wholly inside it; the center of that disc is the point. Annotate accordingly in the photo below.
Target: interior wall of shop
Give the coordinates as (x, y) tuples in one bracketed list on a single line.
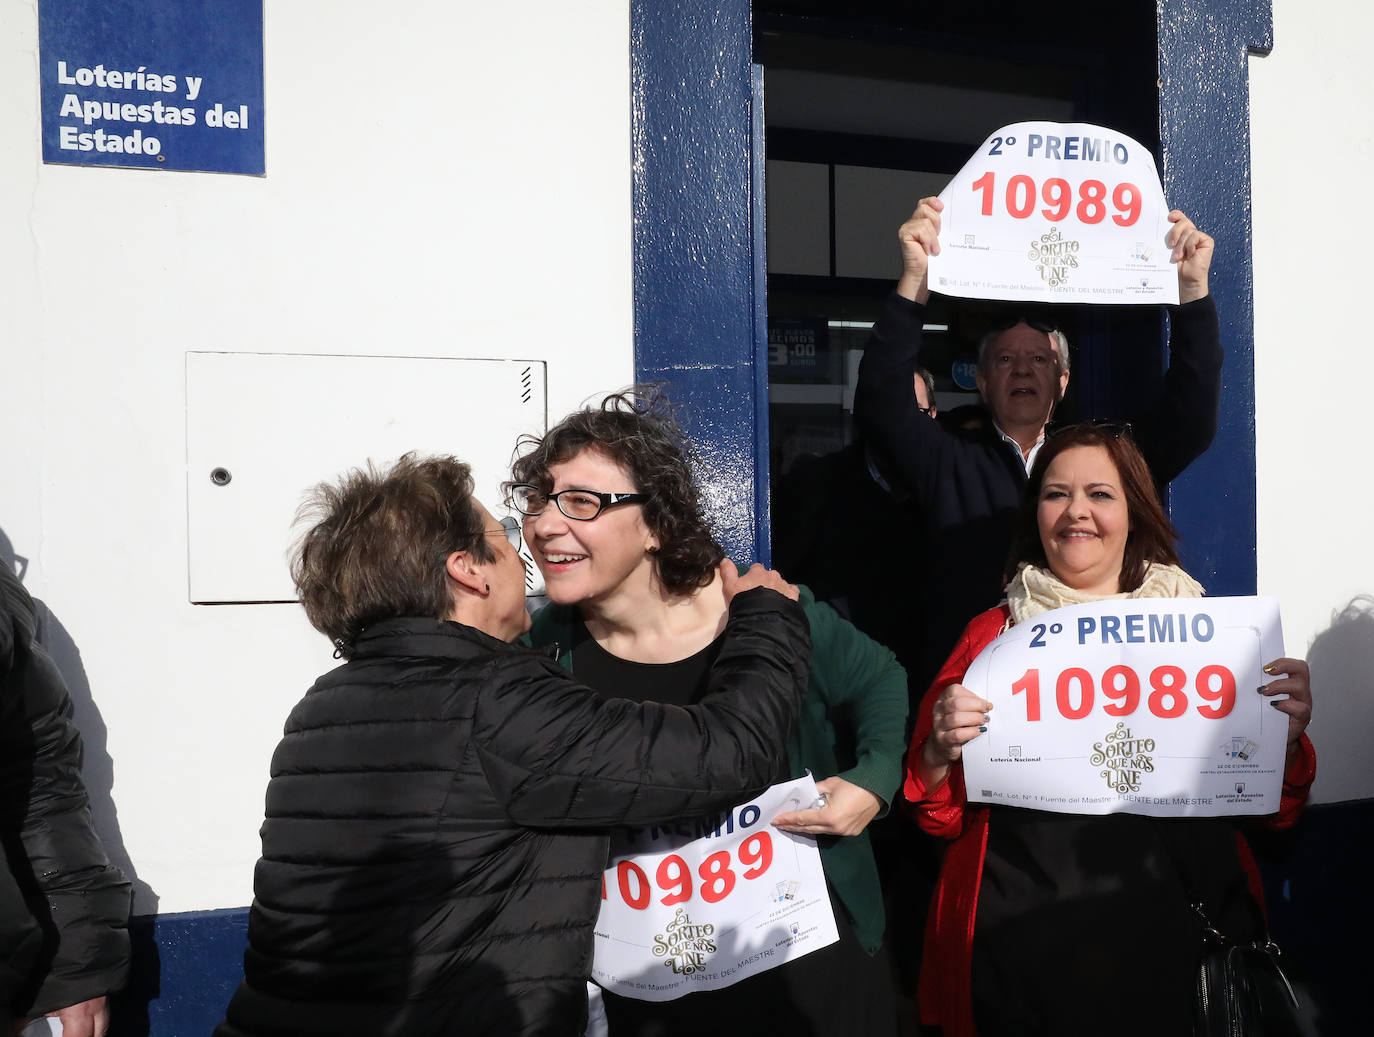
[(519, 218)]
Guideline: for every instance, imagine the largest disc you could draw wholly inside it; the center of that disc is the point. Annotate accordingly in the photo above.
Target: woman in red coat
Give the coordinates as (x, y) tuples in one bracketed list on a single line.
[(1046, 923)]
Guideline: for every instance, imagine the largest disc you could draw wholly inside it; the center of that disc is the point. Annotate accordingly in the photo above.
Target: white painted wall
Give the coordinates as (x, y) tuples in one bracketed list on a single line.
[(442, 180), (1313, 160)]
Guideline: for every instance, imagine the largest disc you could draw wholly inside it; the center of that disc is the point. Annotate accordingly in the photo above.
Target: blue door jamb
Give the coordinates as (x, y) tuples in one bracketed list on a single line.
[(695, 274), (1204, 124)]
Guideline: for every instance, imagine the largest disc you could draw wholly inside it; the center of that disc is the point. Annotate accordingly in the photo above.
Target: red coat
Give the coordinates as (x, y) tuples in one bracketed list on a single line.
[(945, 993)]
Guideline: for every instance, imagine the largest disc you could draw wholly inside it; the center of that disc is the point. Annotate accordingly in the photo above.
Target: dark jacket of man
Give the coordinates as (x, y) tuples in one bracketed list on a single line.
[(64, 909), (968, 485), (437, 823), (840, 532)]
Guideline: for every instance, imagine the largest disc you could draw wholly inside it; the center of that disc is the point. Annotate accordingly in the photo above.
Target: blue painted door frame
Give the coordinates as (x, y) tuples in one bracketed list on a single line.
[(1204, 120), (698, 249)]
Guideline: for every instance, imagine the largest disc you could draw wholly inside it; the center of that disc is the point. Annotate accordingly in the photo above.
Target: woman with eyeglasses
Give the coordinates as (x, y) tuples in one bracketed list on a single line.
[(1050, 924), (436, 818), (614, 519)]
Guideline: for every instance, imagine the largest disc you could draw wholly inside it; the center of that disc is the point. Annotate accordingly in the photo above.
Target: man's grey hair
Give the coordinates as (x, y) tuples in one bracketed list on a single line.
[(1060, 339)]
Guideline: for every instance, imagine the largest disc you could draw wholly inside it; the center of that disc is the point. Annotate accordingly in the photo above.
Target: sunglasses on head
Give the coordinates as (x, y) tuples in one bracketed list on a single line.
[(1034, 323), (1107, 426)]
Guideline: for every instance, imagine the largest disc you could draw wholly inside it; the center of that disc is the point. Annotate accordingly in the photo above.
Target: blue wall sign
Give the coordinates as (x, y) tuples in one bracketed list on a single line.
[(159, 84)]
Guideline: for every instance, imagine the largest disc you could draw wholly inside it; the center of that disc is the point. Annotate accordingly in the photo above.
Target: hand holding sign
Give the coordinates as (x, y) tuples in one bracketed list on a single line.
[(1192, 251), (959, 717), (1296, 684), (844, 809), (919, 239)]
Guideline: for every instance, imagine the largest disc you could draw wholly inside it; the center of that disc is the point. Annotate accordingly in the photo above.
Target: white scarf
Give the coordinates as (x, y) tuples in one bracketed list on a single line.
[(1034, 590)]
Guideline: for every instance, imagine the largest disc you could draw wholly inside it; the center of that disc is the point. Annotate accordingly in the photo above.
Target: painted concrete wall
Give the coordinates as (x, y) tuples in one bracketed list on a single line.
[(446, 180), (1313, 159)]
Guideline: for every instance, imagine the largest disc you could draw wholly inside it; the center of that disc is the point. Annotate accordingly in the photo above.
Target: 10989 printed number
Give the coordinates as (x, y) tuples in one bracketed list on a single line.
[(1076, 691), (715, 876), (1021, 197)]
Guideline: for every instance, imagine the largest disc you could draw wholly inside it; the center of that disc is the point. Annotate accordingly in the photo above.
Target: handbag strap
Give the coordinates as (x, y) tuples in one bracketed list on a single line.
[(1210, 933)]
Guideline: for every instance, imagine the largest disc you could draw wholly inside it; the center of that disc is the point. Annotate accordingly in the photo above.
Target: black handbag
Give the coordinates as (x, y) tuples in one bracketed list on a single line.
[(1241, 989)]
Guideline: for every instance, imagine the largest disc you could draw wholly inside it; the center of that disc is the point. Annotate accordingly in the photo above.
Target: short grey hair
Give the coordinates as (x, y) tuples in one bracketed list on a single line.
[(1060, 339)]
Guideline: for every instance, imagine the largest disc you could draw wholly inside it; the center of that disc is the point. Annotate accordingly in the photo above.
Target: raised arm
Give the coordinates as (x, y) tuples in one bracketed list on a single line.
[(556, 753), (1183, 421), (912, 444)]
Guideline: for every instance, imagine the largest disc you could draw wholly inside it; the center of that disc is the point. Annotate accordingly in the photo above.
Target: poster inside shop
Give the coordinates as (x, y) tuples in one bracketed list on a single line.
[(705, 903), (1056, 212), (155, 84), (1141, 705)]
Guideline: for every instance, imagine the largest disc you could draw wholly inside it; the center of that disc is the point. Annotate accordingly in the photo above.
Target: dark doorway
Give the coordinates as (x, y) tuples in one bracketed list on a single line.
[(870, 106)]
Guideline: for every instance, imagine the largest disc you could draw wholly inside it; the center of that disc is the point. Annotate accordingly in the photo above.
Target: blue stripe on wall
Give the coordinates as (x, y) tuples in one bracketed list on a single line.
[(185, 967), (1204, 121)]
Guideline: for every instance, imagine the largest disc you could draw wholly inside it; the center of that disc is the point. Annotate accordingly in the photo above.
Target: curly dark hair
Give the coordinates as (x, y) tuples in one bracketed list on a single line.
[(636, 429), (380, 543), (1152, 535)]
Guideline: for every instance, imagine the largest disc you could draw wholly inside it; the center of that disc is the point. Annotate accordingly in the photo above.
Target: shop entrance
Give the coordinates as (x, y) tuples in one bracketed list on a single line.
[(870, 106)]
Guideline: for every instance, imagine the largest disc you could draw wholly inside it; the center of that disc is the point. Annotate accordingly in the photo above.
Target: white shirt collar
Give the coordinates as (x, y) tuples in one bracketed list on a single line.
[(1028, 459)]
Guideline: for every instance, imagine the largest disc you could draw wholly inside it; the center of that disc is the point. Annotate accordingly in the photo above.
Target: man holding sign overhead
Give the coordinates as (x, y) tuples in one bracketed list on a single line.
[(968, 482)]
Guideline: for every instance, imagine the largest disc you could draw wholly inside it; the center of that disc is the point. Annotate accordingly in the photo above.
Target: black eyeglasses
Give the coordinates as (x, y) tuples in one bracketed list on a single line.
[(510, 529), (581, 505)]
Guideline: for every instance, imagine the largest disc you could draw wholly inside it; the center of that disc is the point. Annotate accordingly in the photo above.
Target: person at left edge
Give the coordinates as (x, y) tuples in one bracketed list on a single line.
[(437, 815), (64, 908), (614, 519)]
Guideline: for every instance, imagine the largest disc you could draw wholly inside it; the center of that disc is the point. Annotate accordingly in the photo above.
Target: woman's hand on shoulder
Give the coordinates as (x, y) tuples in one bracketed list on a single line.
[(757, 576), (959, 716), (847, 811), (1296, 683)]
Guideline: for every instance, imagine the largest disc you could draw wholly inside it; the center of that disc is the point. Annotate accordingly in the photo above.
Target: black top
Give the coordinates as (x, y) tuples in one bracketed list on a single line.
[(827, 508), (678, 683), (1105, 903)]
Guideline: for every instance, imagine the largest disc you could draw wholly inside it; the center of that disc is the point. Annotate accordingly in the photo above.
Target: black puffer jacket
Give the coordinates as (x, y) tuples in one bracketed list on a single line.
[(435, 839), (65, 907)]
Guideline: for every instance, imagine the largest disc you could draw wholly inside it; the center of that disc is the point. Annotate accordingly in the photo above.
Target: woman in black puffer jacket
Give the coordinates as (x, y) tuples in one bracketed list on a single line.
[(437, 814)]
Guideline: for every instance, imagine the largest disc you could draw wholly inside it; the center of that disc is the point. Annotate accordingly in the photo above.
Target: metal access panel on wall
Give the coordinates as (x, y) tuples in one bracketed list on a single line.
[(263, 428)]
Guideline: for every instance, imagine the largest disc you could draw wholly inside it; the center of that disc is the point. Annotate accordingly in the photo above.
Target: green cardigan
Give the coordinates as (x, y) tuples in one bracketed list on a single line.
[(854, 680)]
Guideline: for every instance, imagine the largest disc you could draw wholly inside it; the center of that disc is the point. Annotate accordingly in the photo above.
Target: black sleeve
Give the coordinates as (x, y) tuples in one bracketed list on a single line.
[(83, 895), (914, 448), (76, 898), (1183, 422), (19, 936), (556, 753)]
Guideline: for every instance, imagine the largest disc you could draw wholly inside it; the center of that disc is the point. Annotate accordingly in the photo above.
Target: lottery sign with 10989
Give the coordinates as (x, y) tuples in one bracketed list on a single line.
[(1056, 212), (705, 902), (1144, 705)]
